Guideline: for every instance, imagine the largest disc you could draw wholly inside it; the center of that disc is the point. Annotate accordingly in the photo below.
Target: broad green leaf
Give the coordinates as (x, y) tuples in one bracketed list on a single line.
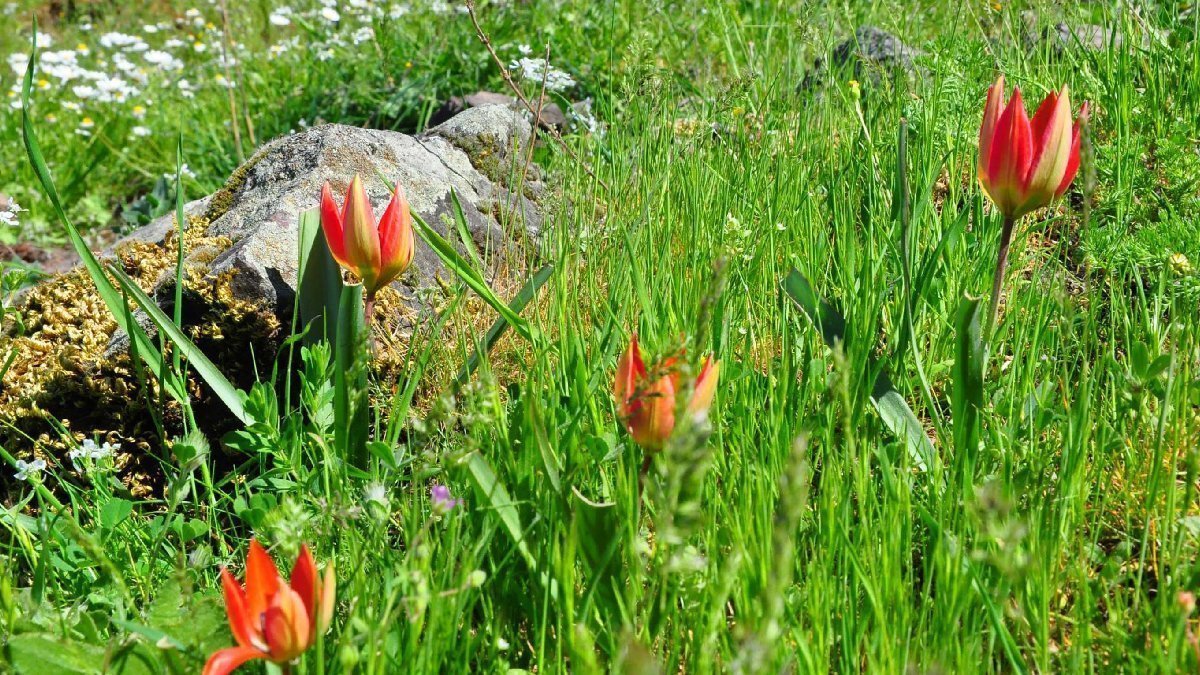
[(350, 404), (490, 488), (114, 512), (892, 408), (47, 654), (320, 289)]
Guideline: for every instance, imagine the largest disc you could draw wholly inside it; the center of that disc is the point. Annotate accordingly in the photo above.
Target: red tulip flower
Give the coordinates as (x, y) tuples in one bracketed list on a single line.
[(376, 253), (1023, 163), (646, 401), (271, 618)]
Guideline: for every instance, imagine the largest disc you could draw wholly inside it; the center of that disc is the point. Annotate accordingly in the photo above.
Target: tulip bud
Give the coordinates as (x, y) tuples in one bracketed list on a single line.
[(1023, 163), (375, 252), (646, 401)]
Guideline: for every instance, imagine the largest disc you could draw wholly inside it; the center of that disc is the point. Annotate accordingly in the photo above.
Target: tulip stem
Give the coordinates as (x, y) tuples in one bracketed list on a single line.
[(642, 474), (998, 278), (368, 310)]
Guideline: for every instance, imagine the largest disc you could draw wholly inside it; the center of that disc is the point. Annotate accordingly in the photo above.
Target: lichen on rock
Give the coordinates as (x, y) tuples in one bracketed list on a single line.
[(72, 377)]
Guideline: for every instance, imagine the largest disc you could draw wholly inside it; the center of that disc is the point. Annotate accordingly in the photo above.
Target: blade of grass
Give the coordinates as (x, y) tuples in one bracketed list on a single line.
[(523, 297), (230, 395), (107, 292)]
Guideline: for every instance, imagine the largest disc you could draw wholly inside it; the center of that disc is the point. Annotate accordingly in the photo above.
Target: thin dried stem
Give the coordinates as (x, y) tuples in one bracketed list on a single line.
[(227, 52), (535, 111)]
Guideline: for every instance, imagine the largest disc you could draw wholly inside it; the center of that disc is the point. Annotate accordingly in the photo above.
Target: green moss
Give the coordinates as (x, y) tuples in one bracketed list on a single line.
[(222, 199)]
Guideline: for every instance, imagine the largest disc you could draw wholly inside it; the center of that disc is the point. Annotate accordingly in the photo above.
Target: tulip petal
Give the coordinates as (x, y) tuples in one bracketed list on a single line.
[(228, 660), (244, 628), (706, 387), (361, 234), (991, 115), (1052, 148), (262, 582), (286, 626), (630, 371), (326, 604), (651, 416), (396, 243), (1011, 153), (1073, 160), (304, 580), (1041, 120), (331, 225)]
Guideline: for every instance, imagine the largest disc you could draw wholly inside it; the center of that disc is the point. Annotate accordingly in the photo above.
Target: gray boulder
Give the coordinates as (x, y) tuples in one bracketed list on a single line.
[(552, 114), (872, 55), (472, 154), (1062, 37)]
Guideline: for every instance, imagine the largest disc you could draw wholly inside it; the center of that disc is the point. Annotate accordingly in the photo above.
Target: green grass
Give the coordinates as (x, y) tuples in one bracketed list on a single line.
[(794, 531)]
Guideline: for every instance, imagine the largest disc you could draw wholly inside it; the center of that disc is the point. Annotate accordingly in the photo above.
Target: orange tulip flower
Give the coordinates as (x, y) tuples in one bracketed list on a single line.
[(646, 402), (270, 618), (376, 253), (1023, 163)]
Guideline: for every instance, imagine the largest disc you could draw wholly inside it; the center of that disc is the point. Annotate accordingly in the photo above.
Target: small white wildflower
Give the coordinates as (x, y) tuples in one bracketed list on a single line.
[(140, 131), (27, 470), (537, 70), (279, 18), (19, 62), (157, 57), (502, 644), (173, 43), (525, 50), (364, 34), (8, 216), (184, 171), (330, 14), (324, 54), (199, 47), (150, 29), (398, 11), (105, 451)]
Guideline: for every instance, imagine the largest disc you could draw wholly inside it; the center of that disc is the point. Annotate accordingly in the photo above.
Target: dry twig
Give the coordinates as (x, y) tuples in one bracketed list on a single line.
[(535, 111)]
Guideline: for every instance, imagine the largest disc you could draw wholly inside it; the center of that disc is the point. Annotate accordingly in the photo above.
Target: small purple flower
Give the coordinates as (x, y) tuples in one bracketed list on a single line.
[(443, 501)]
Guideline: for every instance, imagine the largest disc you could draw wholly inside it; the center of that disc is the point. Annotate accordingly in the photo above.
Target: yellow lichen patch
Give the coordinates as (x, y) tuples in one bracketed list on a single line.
[(60, 387), (222, 199)]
